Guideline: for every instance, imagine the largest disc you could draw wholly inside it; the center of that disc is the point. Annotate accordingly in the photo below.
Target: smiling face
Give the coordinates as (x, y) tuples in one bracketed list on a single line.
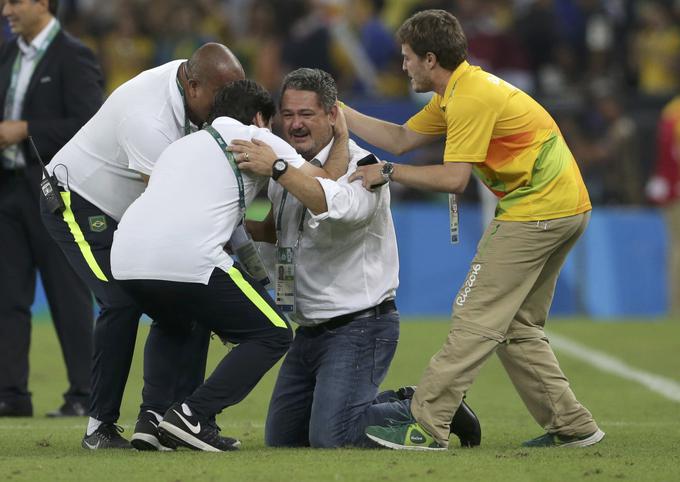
[(306, 125), (26, 17), (417, 69)]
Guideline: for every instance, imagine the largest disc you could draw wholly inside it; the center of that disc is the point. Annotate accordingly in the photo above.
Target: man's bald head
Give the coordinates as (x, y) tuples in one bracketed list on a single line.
[(210, 68), (215, 63)]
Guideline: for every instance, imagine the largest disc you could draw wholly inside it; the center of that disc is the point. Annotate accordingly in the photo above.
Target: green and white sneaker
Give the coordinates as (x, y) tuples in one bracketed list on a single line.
[(557, 440), (407, 436)]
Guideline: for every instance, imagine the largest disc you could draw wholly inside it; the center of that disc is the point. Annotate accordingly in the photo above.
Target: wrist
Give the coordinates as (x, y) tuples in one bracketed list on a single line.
[(279, 168), (387, 171)]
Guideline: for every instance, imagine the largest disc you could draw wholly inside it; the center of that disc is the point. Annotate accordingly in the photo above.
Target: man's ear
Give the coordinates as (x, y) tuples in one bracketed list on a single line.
[(333, 114), (431, 59), (259, 121)]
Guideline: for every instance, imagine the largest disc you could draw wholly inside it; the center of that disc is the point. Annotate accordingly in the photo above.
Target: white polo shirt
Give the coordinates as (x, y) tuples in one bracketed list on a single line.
[(137, 122), (177, 229), (347, 259)]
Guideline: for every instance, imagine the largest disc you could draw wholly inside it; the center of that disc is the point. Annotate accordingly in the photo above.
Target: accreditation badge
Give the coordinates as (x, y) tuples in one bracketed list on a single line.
[(285, 279), (453, 218), (250, 259)]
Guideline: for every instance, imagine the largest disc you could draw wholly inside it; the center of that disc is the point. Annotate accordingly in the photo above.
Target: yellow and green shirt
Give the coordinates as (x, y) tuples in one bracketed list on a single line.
[(516, 148)]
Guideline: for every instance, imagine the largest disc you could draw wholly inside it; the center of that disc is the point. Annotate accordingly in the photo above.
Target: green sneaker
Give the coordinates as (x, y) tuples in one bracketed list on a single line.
[(557, 440), (406, 436)]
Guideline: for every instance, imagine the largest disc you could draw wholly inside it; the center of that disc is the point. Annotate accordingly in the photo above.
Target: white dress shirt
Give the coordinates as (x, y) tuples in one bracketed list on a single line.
[(137, 122), (347, 259), (28, 53)]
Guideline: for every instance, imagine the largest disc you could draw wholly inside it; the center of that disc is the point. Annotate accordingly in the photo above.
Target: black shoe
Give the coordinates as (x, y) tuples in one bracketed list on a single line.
[(147, 436), (16, 408), (69, 409), (184, 427), (107, 436), (464, 424)]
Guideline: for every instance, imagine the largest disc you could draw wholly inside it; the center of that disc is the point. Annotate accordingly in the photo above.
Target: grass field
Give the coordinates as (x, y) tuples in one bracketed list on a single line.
[(642, 442)]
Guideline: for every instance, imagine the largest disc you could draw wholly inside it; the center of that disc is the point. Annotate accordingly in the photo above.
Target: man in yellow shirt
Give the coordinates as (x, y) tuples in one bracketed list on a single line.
[(513, 145)]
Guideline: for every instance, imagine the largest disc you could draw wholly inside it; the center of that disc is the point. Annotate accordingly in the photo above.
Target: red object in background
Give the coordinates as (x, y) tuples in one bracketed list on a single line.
[(664, 185)]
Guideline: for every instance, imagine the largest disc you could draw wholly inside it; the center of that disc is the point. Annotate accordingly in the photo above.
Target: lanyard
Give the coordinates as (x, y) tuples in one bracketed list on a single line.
[(187, 122), (232, 162), (16, 68), (279, 220)]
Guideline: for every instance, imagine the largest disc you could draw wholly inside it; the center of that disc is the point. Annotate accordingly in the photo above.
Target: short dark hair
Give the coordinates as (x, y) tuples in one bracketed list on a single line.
[(436, 31), (313, 80), (242, 100), (52, 6)]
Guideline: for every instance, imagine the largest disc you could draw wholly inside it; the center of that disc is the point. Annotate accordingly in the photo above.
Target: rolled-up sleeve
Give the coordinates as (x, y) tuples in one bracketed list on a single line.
[(347, 203)]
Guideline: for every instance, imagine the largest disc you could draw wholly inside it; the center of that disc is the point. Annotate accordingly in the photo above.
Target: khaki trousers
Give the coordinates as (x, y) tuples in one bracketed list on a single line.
[(502, 307)]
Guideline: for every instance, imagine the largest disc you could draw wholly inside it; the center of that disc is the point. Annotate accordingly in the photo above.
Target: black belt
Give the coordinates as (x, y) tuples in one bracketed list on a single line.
[(386, 307)]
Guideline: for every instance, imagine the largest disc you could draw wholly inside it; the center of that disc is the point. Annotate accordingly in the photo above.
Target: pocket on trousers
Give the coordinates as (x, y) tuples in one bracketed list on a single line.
[(383, 352)]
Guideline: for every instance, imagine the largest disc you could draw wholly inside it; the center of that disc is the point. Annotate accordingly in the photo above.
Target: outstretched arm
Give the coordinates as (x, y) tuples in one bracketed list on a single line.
[(448, 177), (390, 137), (258, 158)]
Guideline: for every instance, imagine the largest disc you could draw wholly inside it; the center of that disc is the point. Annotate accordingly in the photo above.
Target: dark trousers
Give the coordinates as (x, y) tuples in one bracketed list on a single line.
[(85, 234), (26, 247), (239, 310)]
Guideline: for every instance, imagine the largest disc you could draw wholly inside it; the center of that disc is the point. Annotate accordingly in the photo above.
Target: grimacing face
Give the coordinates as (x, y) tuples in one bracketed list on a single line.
[(415, 68), (24, 16), (306, 126)]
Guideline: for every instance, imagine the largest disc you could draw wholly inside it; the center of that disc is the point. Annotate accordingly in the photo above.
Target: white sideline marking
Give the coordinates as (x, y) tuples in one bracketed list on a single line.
[(665, 387)]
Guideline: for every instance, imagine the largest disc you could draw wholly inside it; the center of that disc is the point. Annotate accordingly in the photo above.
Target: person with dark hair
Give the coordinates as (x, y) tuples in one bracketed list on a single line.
[(338, 251), (515, 147), (100, 171), (168, 254), (50, 85)]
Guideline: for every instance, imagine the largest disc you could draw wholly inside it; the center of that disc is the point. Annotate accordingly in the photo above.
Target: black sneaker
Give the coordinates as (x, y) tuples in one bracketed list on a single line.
[(464, 424), (107, 436), (184, 427), (147, 436), (69, 409)]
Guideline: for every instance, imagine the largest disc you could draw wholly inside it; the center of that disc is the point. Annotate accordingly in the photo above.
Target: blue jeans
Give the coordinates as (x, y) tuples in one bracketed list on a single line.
[(326, 388)]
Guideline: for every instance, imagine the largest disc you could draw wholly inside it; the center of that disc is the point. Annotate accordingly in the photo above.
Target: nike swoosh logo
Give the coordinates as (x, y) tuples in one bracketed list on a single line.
[(93, 447), (194, 428)]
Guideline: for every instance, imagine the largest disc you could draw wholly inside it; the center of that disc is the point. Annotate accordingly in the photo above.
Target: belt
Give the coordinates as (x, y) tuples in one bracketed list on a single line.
[(386, 307)]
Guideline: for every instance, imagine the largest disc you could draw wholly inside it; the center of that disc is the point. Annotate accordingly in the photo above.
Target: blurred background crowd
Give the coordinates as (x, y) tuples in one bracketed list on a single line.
[(603, 68)]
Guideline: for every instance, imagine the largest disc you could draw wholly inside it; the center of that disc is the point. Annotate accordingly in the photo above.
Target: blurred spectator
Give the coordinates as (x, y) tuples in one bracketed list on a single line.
[(613, 153), (664, 189), (125, 51), (656, 49)]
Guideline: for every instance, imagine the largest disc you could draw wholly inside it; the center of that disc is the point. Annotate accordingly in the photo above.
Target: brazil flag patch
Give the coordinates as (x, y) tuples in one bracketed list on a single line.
[(97, 223)]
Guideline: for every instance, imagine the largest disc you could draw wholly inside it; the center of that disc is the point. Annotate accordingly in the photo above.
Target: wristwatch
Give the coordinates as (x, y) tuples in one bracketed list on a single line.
[(387, 171), (280, 166)]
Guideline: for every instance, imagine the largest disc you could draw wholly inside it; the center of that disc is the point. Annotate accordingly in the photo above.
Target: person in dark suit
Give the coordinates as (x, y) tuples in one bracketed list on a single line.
[(50, 85)]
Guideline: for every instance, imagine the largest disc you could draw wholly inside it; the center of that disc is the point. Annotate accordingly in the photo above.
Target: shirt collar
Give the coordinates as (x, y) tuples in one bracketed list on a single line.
[(457, 74), (226, 121), (29, 50), (322, 156), (176, 100)]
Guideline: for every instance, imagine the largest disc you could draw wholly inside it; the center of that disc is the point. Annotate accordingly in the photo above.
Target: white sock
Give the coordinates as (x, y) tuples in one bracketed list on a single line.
[(186, 410), (159, 417), (92, 425)]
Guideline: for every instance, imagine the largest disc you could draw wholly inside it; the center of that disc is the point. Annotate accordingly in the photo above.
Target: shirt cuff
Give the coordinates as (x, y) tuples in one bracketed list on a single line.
[(330, 190)]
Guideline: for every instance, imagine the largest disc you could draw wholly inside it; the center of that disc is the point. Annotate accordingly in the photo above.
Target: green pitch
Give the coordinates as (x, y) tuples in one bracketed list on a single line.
[(642, 442)]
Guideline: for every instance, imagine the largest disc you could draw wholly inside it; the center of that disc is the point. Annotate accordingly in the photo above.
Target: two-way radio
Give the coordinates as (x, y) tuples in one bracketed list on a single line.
[(49, 188)]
